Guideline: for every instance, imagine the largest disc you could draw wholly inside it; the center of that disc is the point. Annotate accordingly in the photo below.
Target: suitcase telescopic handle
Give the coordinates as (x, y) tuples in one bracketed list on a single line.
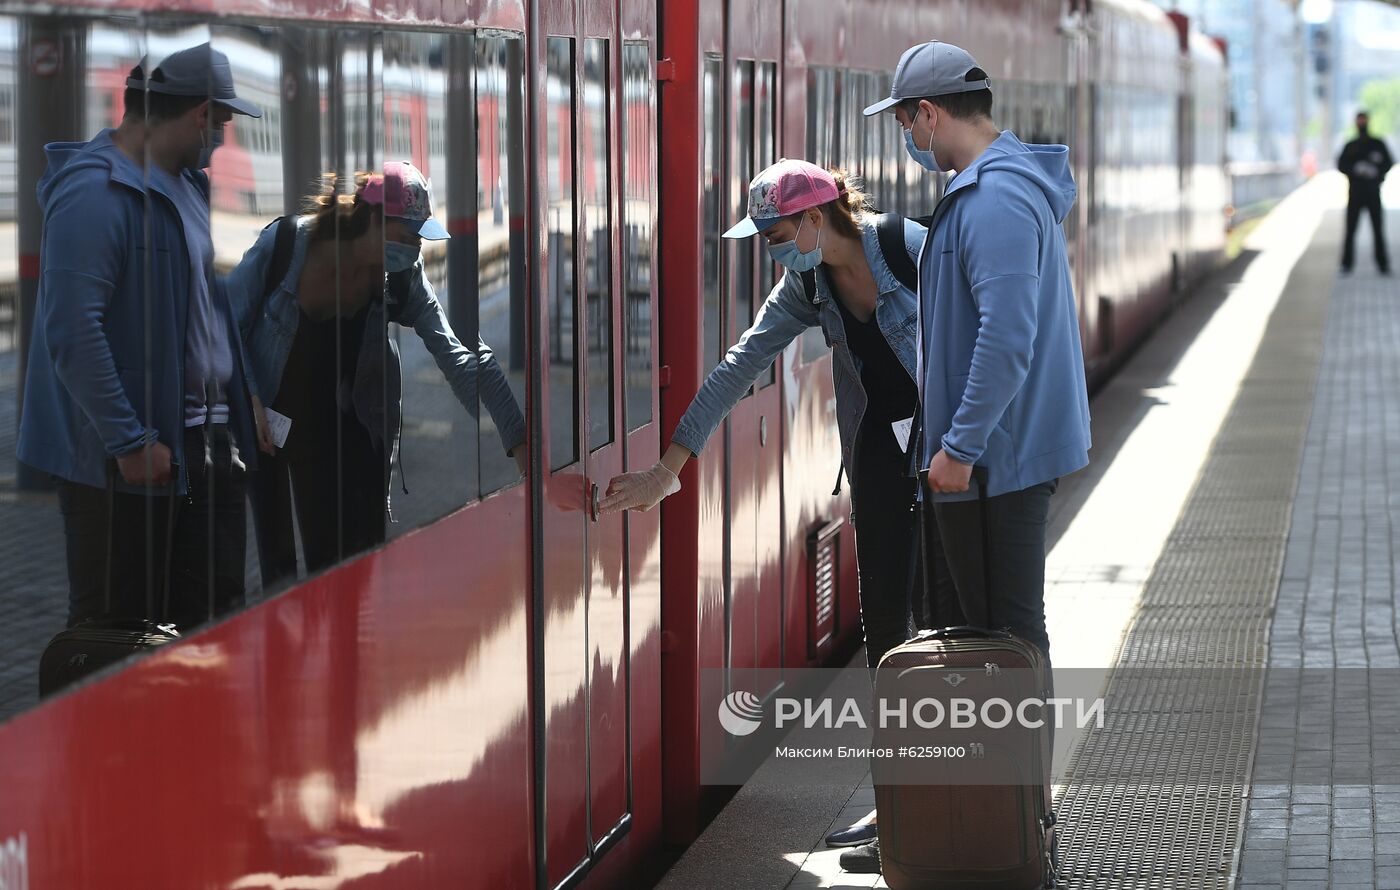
[(964, 631)]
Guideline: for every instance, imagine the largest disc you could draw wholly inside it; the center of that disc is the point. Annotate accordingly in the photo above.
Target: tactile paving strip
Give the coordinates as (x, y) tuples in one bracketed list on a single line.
[(1156, 799)]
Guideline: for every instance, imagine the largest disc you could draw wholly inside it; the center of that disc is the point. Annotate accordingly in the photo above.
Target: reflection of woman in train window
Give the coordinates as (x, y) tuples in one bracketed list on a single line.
[(321, 356), (852, 274)]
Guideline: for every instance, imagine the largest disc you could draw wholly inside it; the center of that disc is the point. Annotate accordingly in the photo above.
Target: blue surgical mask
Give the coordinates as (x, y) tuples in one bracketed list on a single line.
[(788, 254), (923, 157), (214, 139), (399, 257)]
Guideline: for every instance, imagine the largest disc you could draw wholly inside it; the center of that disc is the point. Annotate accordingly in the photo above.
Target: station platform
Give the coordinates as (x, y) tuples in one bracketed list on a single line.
[(1238, 519)]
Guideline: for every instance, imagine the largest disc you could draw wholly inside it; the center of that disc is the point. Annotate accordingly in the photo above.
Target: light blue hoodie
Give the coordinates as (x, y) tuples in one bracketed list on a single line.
[(1002, 362)]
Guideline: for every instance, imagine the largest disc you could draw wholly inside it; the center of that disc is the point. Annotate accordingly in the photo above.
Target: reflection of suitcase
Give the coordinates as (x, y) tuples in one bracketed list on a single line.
[(944, 825), (954, 836), (80, 651)]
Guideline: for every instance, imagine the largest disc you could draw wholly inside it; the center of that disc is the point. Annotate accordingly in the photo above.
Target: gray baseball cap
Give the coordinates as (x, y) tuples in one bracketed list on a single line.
[(931, 69), (197, 71)]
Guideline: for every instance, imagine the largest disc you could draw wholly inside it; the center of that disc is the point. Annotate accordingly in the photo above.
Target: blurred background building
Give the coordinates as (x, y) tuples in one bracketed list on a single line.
[(1299, 71), (1358, 45), (1267, 51)]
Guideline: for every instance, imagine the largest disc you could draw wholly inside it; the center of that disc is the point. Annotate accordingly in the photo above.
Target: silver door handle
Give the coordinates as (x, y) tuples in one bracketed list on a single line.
[(594, 499), (762, 431)]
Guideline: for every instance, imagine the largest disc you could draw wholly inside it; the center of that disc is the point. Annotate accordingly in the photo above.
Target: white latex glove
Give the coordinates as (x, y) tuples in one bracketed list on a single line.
[(641, 490)]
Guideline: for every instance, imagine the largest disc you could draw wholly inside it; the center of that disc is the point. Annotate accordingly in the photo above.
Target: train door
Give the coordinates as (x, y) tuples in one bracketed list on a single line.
[(1087, 98), (755, 604), (584, 670)]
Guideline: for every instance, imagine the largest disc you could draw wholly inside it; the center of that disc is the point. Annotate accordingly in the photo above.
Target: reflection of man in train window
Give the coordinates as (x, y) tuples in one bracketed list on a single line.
[(135, 374), (321, 356)]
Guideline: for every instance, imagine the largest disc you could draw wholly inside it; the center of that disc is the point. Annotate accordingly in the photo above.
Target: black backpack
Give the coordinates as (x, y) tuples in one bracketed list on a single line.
[(890, 228)]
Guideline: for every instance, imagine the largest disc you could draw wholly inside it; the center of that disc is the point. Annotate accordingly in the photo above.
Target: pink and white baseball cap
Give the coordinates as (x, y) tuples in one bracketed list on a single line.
[(404, 192), (781, 190)]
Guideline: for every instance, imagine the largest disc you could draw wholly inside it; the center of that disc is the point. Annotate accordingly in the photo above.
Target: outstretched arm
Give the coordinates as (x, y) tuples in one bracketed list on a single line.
[(471, 374), (784, 315)]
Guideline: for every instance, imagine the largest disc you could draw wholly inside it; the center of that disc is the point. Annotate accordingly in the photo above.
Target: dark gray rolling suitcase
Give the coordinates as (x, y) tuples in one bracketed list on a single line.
[(94, 644), (972, 807)]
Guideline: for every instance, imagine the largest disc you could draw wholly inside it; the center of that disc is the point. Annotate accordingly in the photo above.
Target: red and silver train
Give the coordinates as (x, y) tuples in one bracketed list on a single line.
[(509, 696)]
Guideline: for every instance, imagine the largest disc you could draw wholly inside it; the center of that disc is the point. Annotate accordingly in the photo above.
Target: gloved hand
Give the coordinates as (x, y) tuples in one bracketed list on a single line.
[(641, 490)]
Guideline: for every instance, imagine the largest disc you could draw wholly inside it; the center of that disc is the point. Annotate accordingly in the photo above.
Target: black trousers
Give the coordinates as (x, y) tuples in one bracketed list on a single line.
[(198, 541), (1013, 598), (1369, 200), (894, 597), (338, 499)]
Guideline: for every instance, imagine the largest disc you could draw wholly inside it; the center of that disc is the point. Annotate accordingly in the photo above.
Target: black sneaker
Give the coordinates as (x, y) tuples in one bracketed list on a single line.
[(852, 835), (863, 860)]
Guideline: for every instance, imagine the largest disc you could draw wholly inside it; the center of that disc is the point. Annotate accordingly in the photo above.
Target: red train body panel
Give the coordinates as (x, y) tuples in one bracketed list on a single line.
[(486, 701)]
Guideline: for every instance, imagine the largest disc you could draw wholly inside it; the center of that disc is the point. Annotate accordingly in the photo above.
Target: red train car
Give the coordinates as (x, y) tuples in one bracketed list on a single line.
[(485, 701)]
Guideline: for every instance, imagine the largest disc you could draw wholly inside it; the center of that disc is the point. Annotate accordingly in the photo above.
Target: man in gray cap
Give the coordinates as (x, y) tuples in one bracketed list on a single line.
[(1001, 367), (135, 378)]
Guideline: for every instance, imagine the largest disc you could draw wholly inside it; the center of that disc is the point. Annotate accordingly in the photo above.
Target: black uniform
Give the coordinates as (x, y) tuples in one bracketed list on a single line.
[(1365, 161)]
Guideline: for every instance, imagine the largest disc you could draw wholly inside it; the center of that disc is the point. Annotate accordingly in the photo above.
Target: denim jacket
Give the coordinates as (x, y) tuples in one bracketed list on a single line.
[(269, 328), (783, 317)]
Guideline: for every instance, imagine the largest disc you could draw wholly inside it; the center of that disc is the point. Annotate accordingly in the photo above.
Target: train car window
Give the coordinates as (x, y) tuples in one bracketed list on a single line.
[(821, 115), (741, 170), (766, 147), (596, 195), (638, 122), (497, 104), (559, 230), (713, 115), (822, 130), (338, 457), (438, 445), (872, 170), (837, 92), (73, 103), (857, 147)]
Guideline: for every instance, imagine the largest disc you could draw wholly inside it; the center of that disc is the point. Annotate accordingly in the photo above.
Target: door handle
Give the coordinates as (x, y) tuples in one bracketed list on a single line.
[(593, 501), (762, 431)]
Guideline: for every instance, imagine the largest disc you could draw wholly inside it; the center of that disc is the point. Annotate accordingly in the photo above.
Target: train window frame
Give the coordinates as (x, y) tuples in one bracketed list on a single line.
[(712, 205), (638, 230), (562, 290), (823, 97), (499, 471), (596, 163), (742, 255), (766, 139)]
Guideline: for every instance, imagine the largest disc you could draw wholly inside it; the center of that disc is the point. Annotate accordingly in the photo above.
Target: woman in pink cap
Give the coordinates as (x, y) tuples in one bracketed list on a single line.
[(851, 273), (312, 299)]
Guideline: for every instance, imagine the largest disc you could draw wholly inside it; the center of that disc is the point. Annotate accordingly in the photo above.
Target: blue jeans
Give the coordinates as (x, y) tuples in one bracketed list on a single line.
[(1014, 597)]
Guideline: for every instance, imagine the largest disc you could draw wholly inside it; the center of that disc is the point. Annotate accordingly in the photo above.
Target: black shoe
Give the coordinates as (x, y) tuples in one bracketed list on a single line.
[(862, 860), (1346, 270), (1386, 272), (852, 835)]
